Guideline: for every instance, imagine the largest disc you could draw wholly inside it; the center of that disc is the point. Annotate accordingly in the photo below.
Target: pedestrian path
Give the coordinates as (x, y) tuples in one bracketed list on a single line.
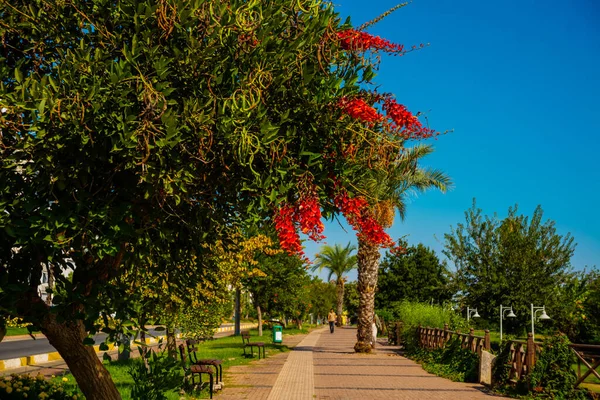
[(325, 366)]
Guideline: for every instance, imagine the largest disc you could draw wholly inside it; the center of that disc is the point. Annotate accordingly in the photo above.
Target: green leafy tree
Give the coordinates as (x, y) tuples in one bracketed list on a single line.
[(415, 275), (322, 297), (351, 300), (513, 261), (277, 284), (338, 261), (139, 134), (589, 310)]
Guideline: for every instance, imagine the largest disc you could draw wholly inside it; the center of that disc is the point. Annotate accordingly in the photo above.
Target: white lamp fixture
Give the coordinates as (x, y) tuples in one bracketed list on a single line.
[(511, 314), (472, 311), (543, 316)]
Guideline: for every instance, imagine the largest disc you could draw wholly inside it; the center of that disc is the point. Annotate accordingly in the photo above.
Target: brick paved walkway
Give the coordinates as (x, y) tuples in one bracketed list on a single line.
[(340, 374)]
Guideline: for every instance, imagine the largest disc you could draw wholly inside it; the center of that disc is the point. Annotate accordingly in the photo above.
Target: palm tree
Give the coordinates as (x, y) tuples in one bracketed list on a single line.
[(339, 261), (388, 190)]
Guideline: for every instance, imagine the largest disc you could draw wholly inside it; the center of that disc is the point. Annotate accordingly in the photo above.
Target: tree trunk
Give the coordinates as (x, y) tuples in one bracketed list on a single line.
[(340, 300), (299, 323), (91, 376), (259, 313), (171, 342), (368, 265)]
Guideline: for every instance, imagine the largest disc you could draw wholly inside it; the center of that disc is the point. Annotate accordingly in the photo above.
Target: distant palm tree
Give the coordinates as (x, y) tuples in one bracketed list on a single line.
[(388, 191), (339, 261)]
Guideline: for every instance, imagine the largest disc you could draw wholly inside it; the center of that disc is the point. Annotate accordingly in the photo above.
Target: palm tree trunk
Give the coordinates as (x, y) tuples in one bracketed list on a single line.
[(340, 301), (368, 269)]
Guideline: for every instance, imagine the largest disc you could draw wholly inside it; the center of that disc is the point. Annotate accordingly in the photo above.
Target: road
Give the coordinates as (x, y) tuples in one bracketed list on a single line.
[(29, 347)]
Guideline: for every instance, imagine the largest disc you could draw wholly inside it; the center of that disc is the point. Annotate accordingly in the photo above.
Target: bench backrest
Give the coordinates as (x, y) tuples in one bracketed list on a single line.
[(245, 337), (192, 347), (182, 354)]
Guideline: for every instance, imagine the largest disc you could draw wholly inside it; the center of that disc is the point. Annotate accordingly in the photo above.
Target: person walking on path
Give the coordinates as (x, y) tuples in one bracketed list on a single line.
[(331, 317)]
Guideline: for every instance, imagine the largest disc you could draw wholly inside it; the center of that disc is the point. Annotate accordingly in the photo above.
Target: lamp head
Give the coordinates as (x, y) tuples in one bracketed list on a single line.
[(544, 315), (511, 314), (476, 315)]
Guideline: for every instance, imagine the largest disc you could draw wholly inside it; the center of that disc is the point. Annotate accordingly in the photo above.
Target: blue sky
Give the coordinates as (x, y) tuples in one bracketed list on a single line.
[(519, 84)]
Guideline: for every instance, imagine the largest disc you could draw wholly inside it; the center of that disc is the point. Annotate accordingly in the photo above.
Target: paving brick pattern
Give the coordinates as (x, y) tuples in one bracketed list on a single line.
[(341, 374), (255, 381)]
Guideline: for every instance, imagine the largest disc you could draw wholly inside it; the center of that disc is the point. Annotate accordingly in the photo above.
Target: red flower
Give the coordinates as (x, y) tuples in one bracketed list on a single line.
[(356, 40), (308, 215), (404, 122), (286, 231), (367, 227), (357, 108)]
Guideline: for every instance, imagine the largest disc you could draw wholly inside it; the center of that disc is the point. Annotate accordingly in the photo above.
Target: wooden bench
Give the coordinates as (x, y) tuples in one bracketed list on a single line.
[(194, 370), (252, 345), (192, 348)]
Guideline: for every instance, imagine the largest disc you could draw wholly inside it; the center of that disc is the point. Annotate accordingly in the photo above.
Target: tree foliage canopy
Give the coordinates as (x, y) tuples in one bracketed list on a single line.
[(138, 134), (416, 275), (513, 261)]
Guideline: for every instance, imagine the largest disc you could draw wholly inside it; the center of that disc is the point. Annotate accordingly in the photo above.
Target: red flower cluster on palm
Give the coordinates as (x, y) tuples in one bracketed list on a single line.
[(307, 216), (356, 40), (404, 122), (357, 108), (368, 228), (286, 230)]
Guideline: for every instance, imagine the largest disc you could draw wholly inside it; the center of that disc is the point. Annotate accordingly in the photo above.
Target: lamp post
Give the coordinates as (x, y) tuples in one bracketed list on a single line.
[(472, 310), (543, 316), (511, 314)]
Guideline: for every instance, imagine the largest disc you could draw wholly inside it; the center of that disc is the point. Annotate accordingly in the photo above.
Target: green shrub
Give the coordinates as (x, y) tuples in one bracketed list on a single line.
[(502, 366), (27, 387), (452, 362), (413, 314), (162, 374), (552, 375)]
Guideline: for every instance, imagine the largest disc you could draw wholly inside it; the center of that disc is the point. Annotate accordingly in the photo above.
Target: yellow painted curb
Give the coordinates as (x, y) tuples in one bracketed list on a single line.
[(1, 365), (54, 356)]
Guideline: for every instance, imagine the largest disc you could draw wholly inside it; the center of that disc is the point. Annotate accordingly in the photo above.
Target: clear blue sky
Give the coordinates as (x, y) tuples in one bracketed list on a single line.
[(519, 83)]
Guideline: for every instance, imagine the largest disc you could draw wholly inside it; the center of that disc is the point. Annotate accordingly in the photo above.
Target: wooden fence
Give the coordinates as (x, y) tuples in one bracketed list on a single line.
[(589, 355), (522, 357), (523, 353), (436, 338)]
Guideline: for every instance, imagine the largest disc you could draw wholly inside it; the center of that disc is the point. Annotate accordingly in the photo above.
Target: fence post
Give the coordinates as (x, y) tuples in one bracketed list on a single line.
[(420, 335), (530, 354), (445, 339), (471, 334), (487, 343)]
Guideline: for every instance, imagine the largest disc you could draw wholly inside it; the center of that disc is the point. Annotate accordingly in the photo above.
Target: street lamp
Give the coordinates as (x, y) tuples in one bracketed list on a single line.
[(511, 314), (544, 316), (472, 310)]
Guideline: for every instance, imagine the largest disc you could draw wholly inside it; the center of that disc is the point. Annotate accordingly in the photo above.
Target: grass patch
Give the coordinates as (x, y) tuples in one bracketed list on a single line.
[(229, 349), (10, 331), (591, 378)]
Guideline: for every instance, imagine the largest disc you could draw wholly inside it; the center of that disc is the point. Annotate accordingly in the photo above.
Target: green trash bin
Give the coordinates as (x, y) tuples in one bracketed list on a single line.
[(277, 333)]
